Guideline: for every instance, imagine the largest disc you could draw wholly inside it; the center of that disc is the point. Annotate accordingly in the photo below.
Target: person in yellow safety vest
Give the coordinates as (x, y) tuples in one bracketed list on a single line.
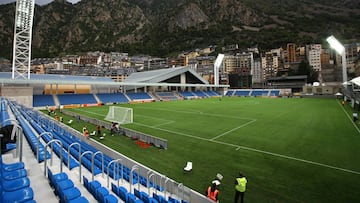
[(212, 193), (240, 188)]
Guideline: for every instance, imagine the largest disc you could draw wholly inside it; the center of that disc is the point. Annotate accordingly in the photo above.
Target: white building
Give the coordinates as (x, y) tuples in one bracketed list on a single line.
[(313, 53)]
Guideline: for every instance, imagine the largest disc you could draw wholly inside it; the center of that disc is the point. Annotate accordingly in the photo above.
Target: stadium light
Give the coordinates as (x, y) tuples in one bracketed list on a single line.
[(340, 49)]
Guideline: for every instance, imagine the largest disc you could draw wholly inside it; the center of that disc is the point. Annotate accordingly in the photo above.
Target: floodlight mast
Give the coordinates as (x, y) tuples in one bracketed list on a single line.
[(22, 39), (217, 64), (340, 49)]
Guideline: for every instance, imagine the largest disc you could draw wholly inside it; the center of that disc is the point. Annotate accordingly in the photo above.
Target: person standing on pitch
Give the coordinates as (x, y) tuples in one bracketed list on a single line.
[(212, 192), (240, 188)]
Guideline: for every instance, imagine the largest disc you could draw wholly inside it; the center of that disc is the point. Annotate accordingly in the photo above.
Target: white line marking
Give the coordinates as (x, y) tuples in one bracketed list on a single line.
[(238, 147), (227, 132), (354, 124)]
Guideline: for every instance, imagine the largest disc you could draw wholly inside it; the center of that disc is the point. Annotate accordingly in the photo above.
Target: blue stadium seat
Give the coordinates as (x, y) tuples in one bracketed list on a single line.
[(101, 193), (15, 184), (54, 178), (79, 200), (70, 194), (11, 175), (111, 199), (21, 195)]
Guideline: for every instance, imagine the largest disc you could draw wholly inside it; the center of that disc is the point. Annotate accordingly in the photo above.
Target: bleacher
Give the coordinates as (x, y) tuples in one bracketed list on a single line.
[(253, 92), (112, 98), (43, 100), (242, 93), (42, 133), (167, 96), (212, 93), (67, 99), (187, 95), (139, 96), (200, 94)]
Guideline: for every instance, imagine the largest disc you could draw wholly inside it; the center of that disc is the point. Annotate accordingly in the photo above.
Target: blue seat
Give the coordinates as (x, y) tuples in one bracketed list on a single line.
[(131, 198), (94, 185), (79, 200), (101, 193), (11, 175), (111, 199), (86, 183), (159, 198), (11, 167), (63, 185), (173, 200), (123, 194), (115, 189), (146, 199), (15, 184), (137, 193), (70, 194), (21, 195), (56, 178)]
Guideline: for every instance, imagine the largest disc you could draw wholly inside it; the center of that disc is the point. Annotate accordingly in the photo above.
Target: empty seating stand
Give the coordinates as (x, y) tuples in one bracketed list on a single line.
[(43, 100), (14, 184), (67, 99), (112, 98), (64, 188)]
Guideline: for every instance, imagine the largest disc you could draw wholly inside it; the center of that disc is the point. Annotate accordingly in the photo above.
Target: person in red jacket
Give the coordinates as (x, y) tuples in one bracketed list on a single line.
[(212, 193)]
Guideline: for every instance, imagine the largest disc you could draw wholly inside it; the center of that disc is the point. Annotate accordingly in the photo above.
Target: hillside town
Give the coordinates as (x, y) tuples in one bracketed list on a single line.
[(275, 68)]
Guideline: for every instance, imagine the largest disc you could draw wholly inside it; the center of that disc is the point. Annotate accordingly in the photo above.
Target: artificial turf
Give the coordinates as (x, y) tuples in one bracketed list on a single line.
[(290, 149)]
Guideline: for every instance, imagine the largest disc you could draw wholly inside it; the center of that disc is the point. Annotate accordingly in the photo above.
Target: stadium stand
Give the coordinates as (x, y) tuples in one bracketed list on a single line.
[(112, 98), (67, 99), (43, 100), (200, 94), (167, 96), (187, 95), (70, 150), (242, 93), (139, 96)]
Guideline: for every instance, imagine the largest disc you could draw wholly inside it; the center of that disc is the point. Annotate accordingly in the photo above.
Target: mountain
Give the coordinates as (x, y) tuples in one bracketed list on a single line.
[(162, 27)]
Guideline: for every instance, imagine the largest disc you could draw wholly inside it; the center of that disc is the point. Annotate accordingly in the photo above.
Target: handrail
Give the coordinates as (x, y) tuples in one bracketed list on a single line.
[(102, 164), (68, 151), (148, 182), (9, 119), (117, 161), (38, 144), (87, 152), (135, 167), (19, 142), (51, 158)]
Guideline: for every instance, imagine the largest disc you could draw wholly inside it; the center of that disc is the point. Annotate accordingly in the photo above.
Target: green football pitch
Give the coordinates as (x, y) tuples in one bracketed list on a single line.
[(290, 150)]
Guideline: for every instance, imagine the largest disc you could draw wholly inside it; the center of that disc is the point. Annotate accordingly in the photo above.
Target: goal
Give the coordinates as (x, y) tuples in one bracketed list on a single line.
[(120, 115)]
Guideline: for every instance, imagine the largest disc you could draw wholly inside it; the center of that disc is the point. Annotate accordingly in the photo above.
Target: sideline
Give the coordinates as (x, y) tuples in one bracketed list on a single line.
[(354, 124), (254, 150)]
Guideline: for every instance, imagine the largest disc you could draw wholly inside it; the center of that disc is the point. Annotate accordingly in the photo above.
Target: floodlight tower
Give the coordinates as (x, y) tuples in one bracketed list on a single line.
[(217, 65), (22, 39), (340, 49)]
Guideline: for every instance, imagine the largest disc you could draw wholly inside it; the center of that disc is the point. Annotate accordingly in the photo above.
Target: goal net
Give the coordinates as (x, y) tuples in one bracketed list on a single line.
[(120, 115)]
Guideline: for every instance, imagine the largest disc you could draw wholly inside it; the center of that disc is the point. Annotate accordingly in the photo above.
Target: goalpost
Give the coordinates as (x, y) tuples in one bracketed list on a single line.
[(120, 115)]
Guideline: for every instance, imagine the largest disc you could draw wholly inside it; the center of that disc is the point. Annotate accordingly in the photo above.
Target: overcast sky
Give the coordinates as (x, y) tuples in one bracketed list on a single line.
[(40, 2)]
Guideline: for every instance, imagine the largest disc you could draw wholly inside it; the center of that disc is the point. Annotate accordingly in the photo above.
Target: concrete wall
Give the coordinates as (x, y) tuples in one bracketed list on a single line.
[(22, 95)]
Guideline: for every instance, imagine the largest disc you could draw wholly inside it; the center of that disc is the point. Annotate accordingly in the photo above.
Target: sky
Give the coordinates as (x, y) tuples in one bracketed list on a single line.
[(39, 2)]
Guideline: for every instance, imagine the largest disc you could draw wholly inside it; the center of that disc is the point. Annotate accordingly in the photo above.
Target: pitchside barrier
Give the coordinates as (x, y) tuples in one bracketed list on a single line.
[(157, 142), (169, 186)]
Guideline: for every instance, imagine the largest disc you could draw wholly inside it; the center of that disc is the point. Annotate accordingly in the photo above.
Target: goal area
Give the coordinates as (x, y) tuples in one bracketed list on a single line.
[(120, 115)]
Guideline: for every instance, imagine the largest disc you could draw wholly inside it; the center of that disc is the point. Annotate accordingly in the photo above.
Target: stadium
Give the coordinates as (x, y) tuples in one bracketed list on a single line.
[(164, 136), (282, 144)]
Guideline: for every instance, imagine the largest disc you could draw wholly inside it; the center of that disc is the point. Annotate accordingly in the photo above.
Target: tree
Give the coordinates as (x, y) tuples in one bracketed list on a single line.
[(306, 69)]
